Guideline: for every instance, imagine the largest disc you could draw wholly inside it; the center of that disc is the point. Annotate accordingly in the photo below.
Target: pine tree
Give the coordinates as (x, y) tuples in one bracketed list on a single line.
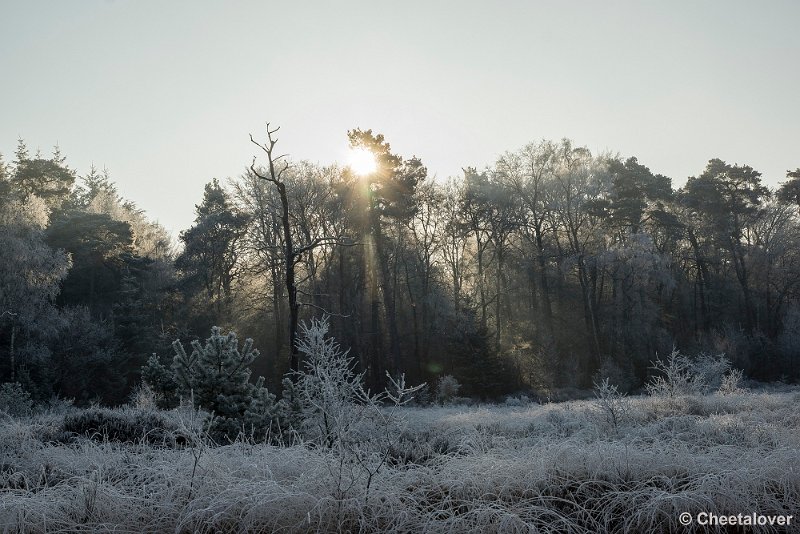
[(217, 376), (161, 380), (210, 258)]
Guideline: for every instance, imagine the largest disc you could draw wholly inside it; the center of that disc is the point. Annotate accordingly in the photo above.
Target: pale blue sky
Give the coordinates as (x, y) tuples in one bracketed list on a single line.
[(165, 93)]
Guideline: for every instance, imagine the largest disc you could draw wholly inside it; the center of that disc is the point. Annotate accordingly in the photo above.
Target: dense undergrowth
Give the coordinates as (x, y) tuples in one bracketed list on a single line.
[(560, 467)]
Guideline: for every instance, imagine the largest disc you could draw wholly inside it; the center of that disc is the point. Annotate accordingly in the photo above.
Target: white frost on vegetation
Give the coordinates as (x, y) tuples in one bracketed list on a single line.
[(546, 468)]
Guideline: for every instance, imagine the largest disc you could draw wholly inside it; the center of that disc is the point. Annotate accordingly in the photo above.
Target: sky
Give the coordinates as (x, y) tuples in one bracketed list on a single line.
[(164, 94)]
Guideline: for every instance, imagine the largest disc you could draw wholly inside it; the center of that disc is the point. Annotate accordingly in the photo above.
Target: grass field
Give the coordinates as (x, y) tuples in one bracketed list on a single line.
[(580, 466)]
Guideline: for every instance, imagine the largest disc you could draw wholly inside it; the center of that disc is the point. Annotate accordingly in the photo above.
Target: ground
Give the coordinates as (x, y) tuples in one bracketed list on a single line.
[(633, 465)]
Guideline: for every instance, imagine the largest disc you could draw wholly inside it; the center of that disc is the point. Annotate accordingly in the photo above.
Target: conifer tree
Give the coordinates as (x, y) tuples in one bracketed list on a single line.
[(160, 379), (209, 261), (49, 179), (217, 376)]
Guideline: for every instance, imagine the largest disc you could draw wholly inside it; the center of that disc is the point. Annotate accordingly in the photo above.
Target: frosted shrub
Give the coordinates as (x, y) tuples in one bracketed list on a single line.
[(14, 400), (57, 406), (122, 425), (614, 405), (676, 377), (329, 392), (337, 413), (144, 397), (519, 400), (730, 382), (447, 388), (680, 375), (711, 369), (327, 387)]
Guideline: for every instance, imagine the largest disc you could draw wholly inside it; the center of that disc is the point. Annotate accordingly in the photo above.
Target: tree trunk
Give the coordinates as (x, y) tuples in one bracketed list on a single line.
[(12, 355), (742, 276), (376, 347), (589, 317), (276, 307), (386, 292), (481, 288), (498, 306), (703, 280), (544, 289), (291, 287)]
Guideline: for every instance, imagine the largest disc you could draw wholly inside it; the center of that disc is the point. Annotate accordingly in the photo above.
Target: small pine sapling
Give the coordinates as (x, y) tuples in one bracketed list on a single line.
[(217, 376), (161, 381)]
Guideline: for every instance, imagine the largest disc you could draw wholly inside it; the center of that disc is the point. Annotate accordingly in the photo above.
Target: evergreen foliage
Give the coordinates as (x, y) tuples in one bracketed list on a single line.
[(216, 375), (86, 362), (48, 179), (14, 400), (209, 262), (161, 380), (548, 269)]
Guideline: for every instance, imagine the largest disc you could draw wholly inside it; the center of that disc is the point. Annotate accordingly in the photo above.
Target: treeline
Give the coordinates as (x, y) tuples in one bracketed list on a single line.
[(85, 282), (546, 269)]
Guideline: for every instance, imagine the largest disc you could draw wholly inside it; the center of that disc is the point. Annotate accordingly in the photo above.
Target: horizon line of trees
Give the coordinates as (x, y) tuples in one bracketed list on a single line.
[(547, 269)]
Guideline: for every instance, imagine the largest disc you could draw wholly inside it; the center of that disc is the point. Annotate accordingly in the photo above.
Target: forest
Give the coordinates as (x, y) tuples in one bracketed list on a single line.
[(548, 270), (559, 342)]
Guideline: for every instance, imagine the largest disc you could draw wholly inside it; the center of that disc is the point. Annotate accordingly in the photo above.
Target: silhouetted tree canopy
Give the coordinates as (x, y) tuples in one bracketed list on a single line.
[(541, 271)]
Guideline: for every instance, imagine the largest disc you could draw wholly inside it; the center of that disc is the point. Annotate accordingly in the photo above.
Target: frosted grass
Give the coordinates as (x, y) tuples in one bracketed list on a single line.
[(535, 468)]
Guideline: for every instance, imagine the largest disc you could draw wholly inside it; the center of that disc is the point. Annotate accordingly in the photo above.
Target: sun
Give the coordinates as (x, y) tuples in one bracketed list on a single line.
[(362, 161)]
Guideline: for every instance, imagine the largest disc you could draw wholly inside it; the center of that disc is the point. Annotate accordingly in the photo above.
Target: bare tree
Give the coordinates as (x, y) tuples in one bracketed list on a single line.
[(292, 253)]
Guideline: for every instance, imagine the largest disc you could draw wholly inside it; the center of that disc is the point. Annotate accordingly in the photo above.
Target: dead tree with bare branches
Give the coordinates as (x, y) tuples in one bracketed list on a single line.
[(292, 253)]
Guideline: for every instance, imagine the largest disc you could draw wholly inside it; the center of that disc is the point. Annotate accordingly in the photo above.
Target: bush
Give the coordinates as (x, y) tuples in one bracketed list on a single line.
[(447, 388), (730, 382), (323, 395), (337, 413), (144, 397), (127, 426), (57, 405), (161, 381), (711, 369), (681, 376), (329, 394), (614, 405), (518, 400), (622, 378), (14, 400)]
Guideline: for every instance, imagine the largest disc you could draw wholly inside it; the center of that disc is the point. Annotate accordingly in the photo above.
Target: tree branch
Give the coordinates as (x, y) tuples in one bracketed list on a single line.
[(323, 310), (320, 241)]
